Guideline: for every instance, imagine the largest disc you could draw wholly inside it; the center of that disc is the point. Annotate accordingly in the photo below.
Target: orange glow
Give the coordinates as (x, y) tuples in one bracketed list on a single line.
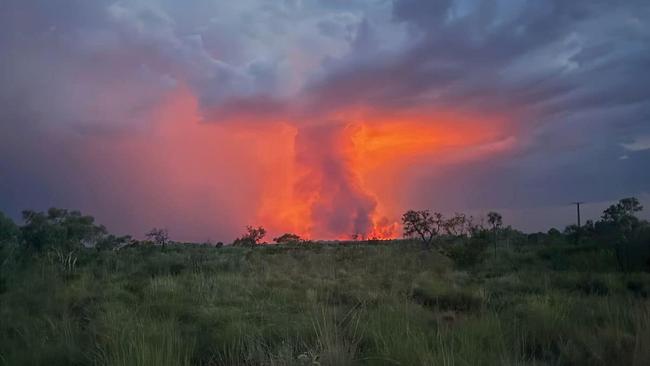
[(329, 180), (373, 155)]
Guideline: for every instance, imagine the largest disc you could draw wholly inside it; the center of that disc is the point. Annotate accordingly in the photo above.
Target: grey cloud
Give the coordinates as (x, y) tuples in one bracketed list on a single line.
[(639, 144), (578, 67)]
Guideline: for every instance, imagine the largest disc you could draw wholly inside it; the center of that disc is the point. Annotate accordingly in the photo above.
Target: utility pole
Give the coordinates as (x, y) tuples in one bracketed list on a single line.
[(578, 211), (579, 231)]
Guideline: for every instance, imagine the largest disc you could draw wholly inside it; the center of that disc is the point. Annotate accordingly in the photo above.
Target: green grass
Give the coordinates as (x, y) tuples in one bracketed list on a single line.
[(324, 305)]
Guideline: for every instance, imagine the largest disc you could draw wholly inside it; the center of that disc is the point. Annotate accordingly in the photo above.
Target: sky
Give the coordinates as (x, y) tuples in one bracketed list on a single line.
[(326, 118)]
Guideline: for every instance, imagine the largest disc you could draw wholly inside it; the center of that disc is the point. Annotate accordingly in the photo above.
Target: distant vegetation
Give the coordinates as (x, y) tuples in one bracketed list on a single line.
[(458, 290), (289, 238), (252, 237)]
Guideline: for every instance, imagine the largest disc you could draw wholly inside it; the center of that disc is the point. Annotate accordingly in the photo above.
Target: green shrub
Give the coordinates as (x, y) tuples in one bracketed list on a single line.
[(592, 286), (446, 298), (469, 253), (638, 288), (163, 264)]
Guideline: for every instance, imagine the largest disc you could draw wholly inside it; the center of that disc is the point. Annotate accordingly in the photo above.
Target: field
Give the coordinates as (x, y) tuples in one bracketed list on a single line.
[(390, 303)]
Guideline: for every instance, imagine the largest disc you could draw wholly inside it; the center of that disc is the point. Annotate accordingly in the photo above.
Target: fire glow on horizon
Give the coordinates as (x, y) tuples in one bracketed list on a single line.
[(335, 179), (344, 178)]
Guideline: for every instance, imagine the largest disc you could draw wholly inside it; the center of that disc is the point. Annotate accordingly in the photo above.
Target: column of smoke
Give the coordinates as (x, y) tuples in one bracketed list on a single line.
[(339, 206)]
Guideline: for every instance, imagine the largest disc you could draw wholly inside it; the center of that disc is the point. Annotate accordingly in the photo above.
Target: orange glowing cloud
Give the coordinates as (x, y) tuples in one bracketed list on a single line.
[(328, 180), (345, 177)]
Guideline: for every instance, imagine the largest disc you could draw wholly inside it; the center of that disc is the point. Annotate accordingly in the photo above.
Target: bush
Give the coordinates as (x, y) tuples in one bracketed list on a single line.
[(442, 297), (469, 253), (592, 286), (8, 230), (633, 256), (163, 265), (59, 228), (288, 238), (638, 288), (252, 237)]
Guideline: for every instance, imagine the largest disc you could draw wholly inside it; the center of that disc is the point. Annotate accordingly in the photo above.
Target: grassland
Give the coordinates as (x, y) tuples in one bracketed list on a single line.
[(387, 304)]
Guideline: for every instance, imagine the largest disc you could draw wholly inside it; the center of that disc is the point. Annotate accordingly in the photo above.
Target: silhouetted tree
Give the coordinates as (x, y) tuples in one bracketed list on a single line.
[(620, 226), (422, 224), (623, 210), (288, 238), (60, 228), (252, 237), (553, 232), (572, 232), (158, 236), (496, 221), (457, 225), (475, 227)]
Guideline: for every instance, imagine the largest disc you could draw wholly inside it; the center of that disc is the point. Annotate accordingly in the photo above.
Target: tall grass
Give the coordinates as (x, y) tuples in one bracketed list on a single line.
[(142, 342), (323, 305)]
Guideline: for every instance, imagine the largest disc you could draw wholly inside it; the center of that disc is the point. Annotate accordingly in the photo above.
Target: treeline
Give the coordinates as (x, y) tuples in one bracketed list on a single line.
[(57, 230), (465, 239)]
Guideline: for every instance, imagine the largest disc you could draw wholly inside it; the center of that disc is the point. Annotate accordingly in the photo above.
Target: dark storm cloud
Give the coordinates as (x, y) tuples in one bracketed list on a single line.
[(575, 71), (562, 55)]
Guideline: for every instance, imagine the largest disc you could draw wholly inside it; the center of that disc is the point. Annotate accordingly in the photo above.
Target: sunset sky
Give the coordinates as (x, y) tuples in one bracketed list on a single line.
[(322, 117)]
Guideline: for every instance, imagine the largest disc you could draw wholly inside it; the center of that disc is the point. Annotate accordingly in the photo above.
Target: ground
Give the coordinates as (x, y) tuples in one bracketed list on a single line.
[(390, 303)]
